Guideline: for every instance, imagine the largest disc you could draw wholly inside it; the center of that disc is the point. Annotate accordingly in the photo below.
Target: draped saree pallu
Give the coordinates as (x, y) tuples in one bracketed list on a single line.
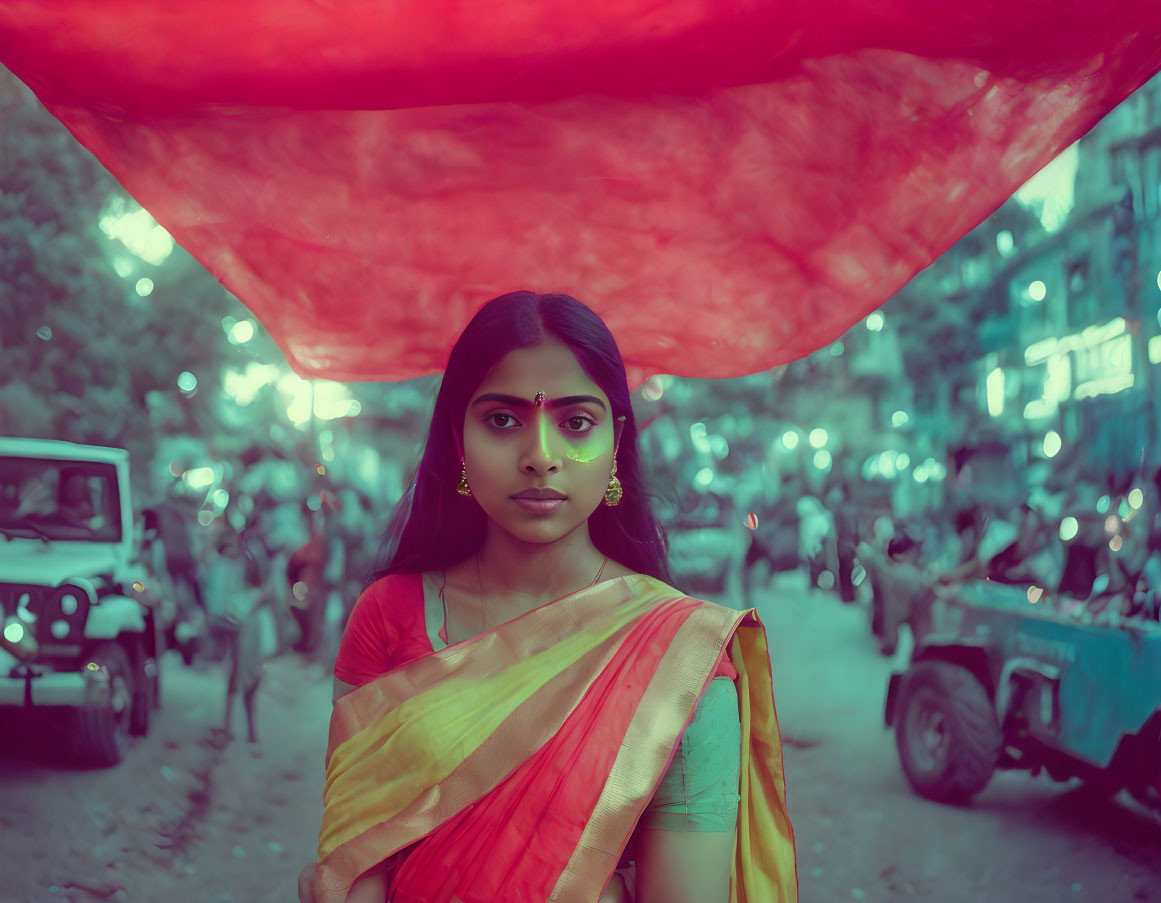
[(515, 765)]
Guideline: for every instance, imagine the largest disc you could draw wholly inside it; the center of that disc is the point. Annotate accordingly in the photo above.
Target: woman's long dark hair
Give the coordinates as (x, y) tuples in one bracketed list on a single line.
[(434, 527)]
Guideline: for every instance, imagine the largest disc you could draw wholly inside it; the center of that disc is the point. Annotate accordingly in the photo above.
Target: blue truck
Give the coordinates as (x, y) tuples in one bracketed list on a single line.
[(1004, 676)]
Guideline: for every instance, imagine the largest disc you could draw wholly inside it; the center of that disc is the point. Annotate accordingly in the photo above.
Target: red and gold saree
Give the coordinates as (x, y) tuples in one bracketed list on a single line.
[(514, 765)]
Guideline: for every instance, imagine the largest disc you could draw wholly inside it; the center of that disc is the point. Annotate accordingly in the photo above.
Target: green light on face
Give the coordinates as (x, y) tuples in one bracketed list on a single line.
[(586, 453)]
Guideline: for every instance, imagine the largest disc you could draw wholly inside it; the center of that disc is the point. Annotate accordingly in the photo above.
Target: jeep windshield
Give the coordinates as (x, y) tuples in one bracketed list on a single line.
[(55, 500)]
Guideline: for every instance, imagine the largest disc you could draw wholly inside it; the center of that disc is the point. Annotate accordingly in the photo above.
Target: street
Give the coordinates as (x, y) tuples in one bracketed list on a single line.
[(181, 819)]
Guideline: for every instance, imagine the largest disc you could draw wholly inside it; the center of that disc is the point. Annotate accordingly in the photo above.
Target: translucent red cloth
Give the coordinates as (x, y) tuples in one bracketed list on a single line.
[(730, 185)]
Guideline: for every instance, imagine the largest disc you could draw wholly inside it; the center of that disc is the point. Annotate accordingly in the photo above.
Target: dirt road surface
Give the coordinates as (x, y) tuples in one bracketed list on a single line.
[(183, 820)]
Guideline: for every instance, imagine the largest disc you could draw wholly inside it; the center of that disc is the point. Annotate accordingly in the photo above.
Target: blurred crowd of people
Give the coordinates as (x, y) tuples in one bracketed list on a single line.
[(245, 588), (274, 575), (1087, 550)]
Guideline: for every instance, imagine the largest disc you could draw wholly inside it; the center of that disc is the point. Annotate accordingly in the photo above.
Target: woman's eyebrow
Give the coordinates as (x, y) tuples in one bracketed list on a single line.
[(515, 402)]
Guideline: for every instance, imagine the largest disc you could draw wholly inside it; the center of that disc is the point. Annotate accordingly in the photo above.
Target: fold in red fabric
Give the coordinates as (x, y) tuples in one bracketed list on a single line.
[(730, 185)]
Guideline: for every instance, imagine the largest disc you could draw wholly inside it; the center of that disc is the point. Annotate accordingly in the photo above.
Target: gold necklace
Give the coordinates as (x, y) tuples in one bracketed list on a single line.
[(480, 578)]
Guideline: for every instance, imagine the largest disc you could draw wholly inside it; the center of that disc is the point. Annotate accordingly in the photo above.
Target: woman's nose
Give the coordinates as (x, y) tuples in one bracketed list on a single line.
[(541, 451)]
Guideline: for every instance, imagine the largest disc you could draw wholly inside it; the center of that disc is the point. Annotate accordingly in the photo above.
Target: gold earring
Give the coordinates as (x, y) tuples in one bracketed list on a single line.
[(464, 488), (613, 493)]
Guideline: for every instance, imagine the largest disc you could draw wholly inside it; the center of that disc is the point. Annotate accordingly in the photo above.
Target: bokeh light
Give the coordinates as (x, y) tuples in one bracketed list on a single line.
[(144, 286), (186, 381), (1034, 594), (44, 333), (818, 437), (198, 477), (875, 321), (1037, 290), (1052, 444), (899, 418), (1069, 527), (244, 386), (1136, 499), (822, 460), (790, 439), (995, 390), (1115, 543), (242, 332), (123, 220), (1103, 504)]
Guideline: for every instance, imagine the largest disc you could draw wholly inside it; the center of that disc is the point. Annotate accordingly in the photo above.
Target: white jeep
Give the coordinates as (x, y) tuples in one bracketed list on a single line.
[(81, 638)]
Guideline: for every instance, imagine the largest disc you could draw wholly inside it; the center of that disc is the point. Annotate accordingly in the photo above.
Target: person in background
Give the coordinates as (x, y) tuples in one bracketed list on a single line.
[(306, 572), (846, 538), (1029, 558), (234, 583), (901, 587), (158, 589), (1000, 535), (1146, 601), (815, 535), (1086, 554), (174, 516)]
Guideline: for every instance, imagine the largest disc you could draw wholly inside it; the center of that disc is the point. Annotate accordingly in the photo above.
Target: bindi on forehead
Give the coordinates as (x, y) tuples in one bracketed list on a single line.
[(539, 401)]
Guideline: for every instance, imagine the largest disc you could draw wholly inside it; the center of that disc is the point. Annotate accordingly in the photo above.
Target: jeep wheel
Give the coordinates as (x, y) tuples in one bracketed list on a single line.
[(101, 733), (946, 732)]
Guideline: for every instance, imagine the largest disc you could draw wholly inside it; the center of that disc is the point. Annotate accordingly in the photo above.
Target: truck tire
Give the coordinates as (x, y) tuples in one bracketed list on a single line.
[(100, 734), (946, 732)]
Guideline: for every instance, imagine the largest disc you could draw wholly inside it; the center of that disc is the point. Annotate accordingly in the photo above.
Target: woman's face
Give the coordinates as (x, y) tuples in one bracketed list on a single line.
[(511, 444)]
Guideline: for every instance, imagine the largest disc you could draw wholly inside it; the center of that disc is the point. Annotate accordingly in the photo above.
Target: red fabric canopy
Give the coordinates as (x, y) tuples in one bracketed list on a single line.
[(729, 184)]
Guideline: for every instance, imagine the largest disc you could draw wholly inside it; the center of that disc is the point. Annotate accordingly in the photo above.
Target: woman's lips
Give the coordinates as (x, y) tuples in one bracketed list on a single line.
[(539, 506)]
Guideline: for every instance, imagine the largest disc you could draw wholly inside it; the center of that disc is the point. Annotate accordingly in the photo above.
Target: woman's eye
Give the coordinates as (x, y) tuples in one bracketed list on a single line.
[(577, 424), (581, 421)]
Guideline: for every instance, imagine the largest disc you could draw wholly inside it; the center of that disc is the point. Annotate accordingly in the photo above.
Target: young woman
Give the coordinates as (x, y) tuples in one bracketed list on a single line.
[(525, 709)]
